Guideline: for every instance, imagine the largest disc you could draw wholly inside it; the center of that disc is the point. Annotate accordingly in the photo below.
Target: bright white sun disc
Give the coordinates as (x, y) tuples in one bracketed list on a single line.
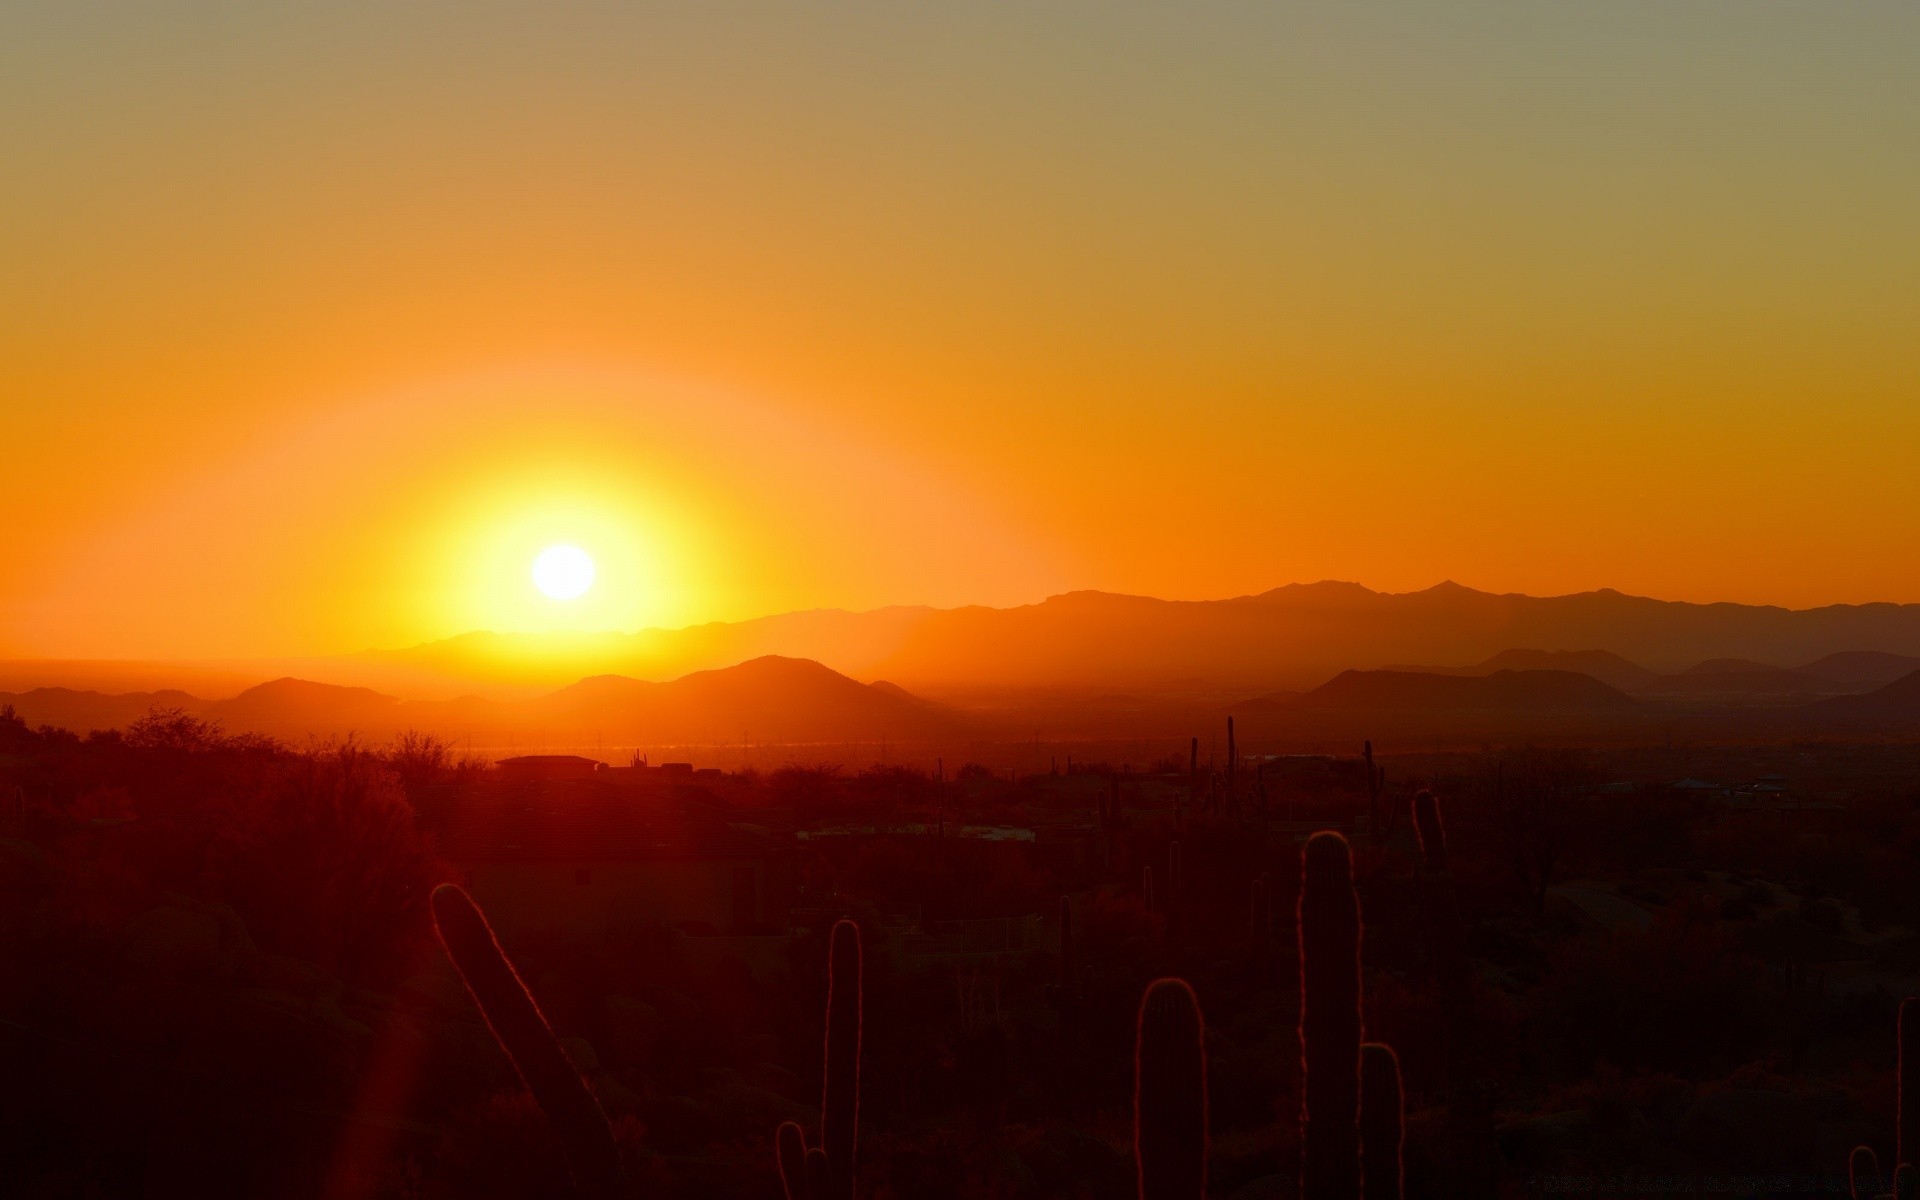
[(563, 572)]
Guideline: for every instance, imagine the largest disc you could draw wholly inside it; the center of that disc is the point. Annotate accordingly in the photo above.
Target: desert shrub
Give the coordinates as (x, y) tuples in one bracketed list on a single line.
[(321, 858)]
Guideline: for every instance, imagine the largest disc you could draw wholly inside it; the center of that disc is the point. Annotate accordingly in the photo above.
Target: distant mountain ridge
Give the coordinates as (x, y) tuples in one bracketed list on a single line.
[(1897, 702), (1515, 692), (769, 699), (1296, 637), (1864, 668), (81, 710), (1288, 638), (1607, 667), (1090, 664), (1730, 678)]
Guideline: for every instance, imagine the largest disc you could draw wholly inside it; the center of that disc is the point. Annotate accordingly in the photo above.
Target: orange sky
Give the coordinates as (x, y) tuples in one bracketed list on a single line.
[(317, 321)]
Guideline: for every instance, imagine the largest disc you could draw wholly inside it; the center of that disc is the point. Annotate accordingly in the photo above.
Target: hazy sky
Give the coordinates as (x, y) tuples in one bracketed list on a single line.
[(318, 320)]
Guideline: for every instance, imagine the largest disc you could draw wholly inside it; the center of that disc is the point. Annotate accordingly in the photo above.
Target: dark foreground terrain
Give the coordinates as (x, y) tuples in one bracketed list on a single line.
[(1637, 972)]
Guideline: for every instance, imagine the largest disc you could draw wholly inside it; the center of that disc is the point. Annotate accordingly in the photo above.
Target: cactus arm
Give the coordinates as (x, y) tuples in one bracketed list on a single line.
[(790, 1151), (1863, 1174), (818, 1173), (1381, 1123), (516, 1022)]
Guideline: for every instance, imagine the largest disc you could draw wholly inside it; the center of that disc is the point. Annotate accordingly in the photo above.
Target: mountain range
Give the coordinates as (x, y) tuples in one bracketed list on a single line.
[(773, 701), (1300, 658), (1293, 637), (770, 699)]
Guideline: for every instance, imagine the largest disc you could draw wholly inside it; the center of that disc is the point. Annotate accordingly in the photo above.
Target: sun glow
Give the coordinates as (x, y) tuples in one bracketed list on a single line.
[(563, 572)]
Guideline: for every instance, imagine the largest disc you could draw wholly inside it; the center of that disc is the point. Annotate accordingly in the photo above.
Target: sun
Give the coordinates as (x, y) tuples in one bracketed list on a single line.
[(563, 572)]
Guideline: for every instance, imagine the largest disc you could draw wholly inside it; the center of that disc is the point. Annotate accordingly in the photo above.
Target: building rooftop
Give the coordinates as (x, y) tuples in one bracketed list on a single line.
[(551, 760)]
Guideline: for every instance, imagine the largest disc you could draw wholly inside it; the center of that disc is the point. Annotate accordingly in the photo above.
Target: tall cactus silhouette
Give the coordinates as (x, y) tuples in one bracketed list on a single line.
[(1071, 987), (1381, 1113), (1907, 1112), (1469, 1097), (1863, 1168), (826, 1171), (1376, 782), (1174, 902), (1067, 966), (1373, 795), (1233, 758), (1433, 837), (516, 1022), (1170, 1094), (1329, 916), (1445, 934)]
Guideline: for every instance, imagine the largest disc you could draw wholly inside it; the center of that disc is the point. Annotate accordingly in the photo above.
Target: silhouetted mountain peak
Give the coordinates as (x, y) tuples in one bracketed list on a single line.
[(1863, 668), (1604, 665), (1504, 691), (288, 690), (1729, 666)]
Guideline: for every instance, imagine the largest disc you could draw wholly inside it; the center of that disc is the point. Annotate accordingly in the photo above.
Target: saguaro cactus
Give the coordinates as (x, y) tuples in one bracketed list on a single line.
[(1445, 934), (1070, 978), (1233, 757), (1907, 1114), (1469, 1102), (1433, 837), (517, 1023), (1170, 1094), (826, 1171), (1066, 942), (1329, 916), (1376, 782), (1381, 1109), (1805, 992)]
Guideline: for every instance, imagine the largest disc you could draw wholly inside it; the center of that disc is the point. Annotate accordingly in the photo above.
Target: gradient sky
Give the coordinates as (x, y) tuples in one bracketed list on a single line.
[(318, 320)]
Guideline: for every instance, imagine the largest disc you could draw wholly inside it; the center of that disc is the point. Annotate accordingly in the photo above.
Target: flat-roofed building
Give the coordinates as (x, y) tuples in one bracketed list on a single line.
[(549, 766)]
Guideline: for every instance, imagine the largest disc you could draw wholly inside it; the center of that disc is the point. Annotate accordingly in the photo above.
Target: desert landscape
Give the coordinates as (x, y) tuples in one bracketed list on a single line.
[(1252, 600)]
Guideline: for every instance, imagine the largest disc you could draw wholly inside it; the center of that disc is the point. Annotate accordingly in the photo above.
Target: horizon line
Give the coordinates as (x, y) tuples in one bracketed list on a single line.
[(1448, 584)]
